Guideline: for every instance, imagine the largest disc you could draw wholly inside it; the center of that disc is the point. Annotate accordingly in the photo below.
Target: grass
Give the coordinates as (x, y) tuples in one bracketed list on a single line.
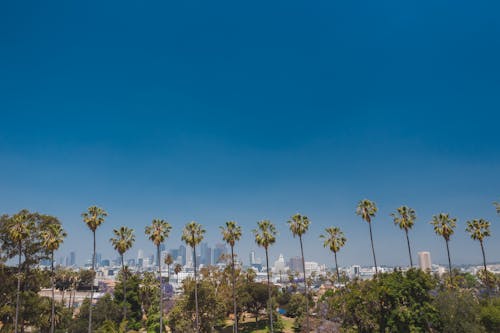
[(250, 326)]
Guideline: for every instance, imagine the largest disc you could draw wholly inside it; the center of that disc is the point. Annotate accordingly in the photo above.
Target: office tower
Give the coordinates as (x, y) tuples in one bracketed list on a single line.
[(252, 258), (140, 258), (219, 250), (295, 264), (189, 257), (105, 263), (205, 254), (182, 254), (98, 258), (174, 253), (72, 258), (424, 260)]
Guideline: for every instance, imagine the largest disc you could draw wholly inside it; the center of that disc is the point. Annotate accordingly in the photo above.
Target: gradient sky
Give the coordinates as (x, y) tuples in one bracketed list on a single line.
[(248, 110)]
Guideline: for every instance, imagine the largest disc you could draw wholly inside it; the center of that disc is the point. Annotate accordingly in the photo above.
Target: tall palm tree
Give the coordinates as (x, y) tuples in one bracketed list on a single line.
[(20, 227), (158, 232), (299, 224), (177, 270), (405, 217), (444, 226), (169, 260), (231, 234), (334, 240), (192, 235), (52, 238), (122, 242), (265, 236), (479, 230), (93, 218), (367, 209)]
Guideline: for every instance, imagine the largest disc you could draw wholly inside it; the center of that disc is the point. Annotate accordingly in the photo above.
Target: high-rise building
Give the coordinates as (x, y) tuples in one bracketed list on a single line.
[(189, 257), (72, 258), (182, 254), (295, 264), (98, 258), (424, 261), (252, 258), (174, 253), (219, 250), (206, 254)]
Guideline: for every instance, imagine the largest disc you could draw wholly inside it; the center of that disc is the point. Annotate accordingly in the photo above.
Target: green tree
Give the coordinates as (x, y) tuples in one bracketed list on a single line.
[(177, 270), (459, 311), (122, 242), (265, 236), (19, 229), (444, 226), (405, 217), (299, 224), (158, 232), (192, 235), (334, 239), (169, 260), (367, 210), (231, 233), (93, 218), (52, 238)]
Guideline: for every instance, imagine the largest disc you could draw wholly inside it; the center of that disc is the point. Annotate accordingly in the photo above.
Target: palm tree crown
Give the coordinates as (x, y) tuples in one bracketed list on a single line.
[(94, 217), (192, 234), (19, 226), (299, 224), (367, 210), (231, 233), (404, 217), (265, 234), (158, 231), (123, 240), (444, 225), (52, 237), (334, 239), (478, 229)]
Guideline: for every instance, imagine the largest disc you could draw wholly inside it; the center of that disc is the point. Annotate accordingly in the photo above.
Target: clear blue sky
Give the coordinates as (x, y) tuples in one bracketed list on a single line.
[(251, 110)]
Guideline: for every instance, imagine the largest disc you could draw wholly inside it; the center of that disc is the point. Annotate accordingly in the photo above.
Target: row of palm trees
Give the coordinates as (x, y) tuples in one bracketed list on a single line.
[(265, 236)]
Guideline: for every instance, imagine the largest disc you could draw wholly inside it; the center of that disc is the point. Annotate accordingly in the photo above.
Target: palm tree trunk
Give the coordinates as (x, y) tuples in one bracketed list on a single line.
[(449, 259), (124, 290), (53, 297), (409, 248), (161, 289), (269, 295), (234, 294), (69, 301), (196, 292), (305, 284), (373, 249), (337, 267), (92, 286), (18, 288), (484, 256)]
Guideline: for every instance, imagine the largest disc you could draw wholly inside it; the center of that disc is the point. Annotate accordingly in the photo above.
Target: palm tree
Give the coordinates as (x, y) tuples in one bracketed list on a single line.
[(367, 209), (231, 234), (497, 207), (19, 228), (478, 230), (52, 237), (299, 224), (443, 226), (177, 270), (265, 236), (122, 242), (192, 235), (169, 260), (405, 218), (93, 218), (158, 232), (335, 240)]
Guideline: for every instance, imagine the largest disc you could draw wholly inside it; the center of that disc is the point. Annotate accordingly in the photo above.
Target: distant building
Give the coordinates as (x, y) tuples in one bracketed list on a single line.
[(182, 254), (424, 260), (72, 258), (206, 254), (219, 250), (295, 264)]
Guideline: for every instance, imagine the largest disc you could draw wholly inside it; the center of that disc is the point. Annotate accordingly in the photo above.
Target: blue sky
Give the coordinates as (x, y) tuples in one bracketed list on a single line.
[(244, 111)]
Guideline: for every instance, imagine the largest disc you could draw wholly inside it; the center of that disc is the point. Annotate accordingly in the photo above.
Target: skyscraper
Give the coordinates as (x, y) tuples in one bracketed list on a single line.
[(219, 250), (206, 254), (182, 254), (72, 258), (424, 261)]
